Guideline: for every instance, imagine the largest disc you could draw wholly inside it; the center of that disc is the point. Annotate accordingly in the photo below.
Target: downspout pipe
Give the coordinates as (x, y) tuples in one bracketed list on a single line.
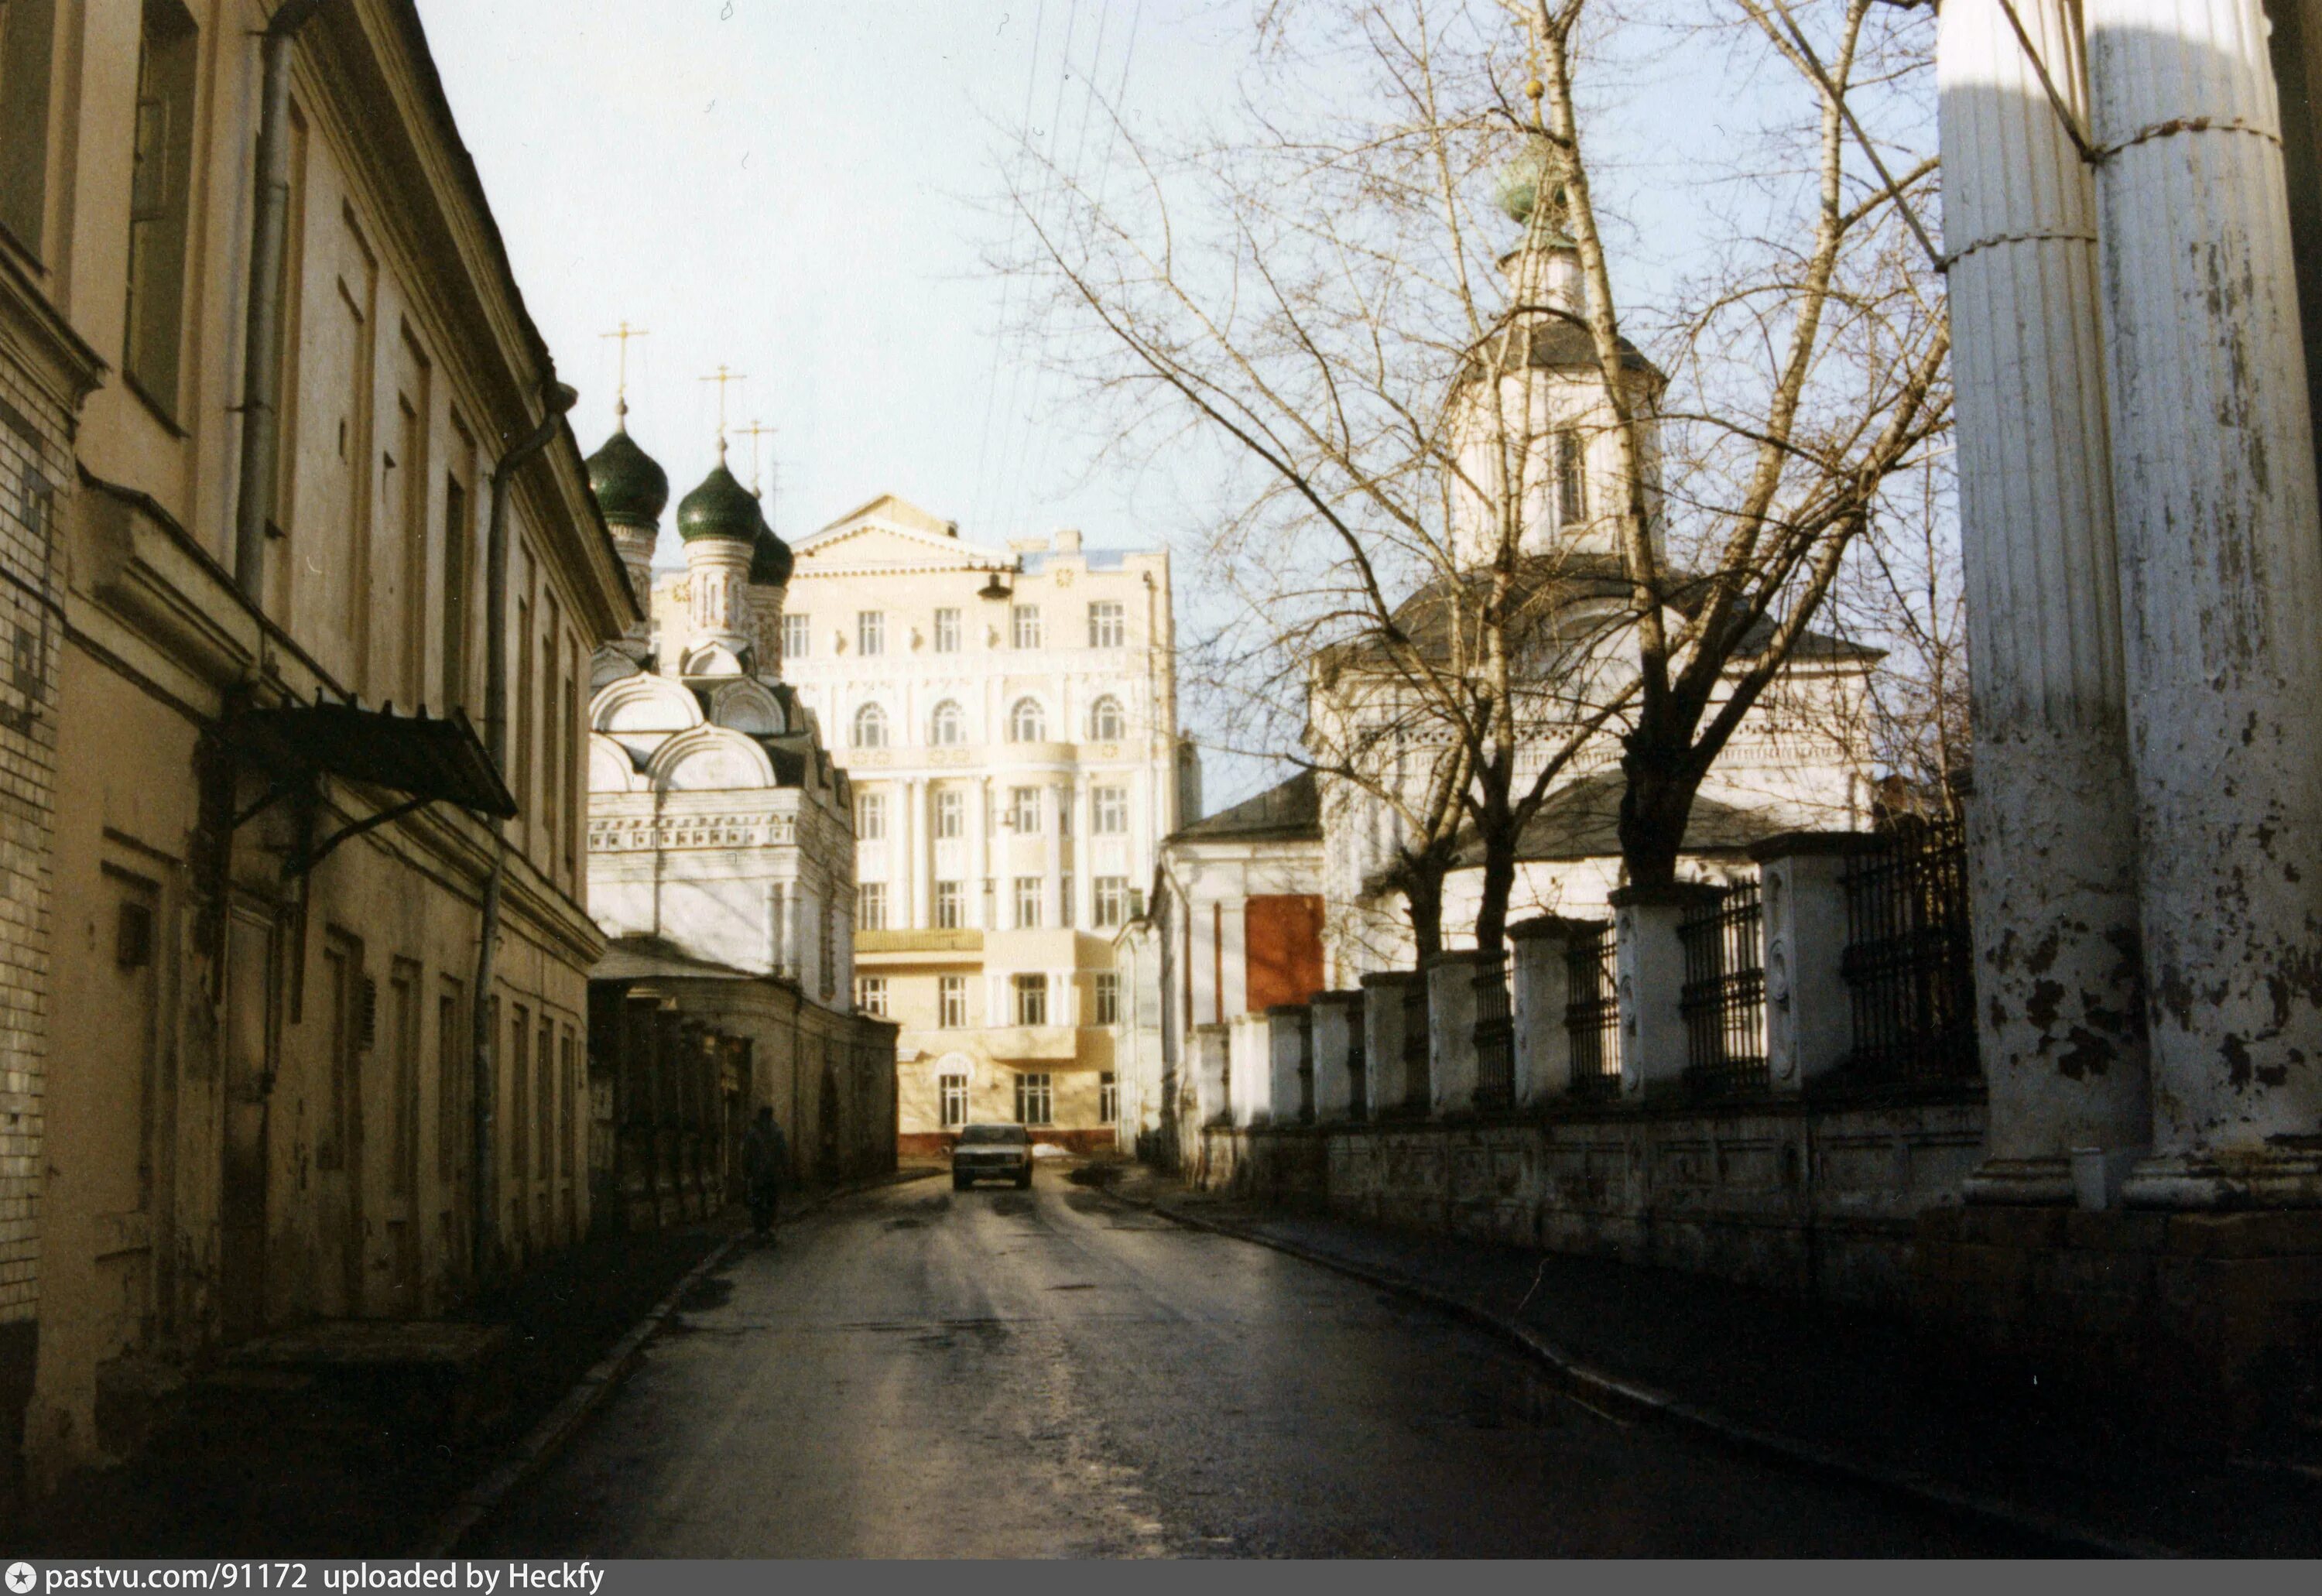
[(486, 1237), (261, 359)]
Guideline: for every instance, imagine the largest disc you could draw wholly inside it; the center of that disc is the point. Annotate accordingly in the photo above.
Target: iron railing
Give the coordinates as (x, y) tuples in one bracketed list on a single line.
[(1418, 1091), (1724, 998), (1495, 1037), (1592, 1013), (1909, 963), (1358, 1065)]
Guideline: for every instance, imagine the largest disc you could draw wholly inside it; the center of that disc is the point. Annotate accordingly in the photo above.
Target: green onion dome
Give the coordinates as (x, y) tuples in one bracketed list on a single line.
[(1539, 168), (771, 561), (720, 507), (629, 486)]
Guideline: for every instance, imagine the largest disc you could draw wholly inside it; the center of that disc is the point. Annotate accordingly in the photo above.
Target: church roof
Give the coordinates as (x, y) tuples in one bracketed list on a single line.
[(771, 561), (656, 958), (1290, 811), (1553, 343), (721, 507), (629, 485), (1582, 821)]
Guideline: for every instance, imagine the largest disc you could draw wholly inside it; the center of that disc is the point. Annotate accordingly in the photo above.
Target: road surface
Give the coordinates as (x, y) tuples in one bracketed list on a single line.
[(915, 1372)]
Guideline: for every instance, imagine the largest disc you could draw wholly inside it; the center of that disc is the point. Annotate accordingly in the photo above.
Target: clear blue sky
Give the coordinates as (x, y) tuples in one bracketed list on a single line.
[(802, 192)]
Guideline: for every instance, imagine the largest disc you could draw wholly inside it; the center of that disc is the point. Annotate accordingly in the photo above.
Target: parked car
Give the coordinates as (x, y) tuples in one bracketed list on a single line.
[(992, 1153)]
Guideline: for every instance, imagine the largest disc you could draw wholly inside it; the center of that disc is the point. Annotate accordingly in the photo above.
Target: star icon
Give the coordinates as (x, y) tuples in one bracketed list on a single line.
[(20, 1578)]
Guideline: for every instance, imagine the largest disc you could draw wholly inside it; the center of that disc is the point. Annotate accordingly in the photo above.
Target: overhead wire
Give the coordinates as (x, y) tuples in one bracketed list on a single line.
[(1008, 281)]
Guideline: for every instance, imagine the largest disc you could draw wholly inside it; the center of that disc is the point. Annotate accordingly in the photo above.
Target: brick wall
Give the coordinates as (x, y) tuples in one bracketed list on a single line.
[(34, 465)]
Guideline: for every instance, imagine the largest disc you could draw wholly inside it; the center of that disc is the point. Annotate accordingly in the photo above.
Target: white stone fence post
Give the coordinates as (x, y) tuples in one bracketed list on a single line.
[(1250, 1072), (1385, 1061), (1288, 1034), (1451, 1076), (1542, 992), (1339, 1056), (1802, 895), (1651, 957)]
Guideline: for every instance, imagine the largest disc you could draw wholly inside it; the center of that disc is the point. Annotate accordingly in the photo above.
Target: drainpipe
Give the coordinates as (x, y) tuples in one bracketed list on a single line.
[(559, 400), (261, 360)]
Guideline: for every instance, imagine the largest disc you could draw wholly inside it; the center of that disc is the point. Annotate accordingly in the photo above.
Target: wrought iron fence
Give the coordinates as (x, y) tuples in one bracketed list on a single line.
[(1495, 1037), (1592, 1013), (1418, 1091), (1909, 963), (1724, 998), (1358, 1062)]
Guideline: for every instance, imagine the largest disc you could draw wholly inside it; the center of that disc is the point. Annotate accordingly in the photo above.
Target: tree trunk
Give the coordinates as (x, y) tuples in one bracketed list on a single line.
[(1656, 803), (1499, 886), (1423, 892)]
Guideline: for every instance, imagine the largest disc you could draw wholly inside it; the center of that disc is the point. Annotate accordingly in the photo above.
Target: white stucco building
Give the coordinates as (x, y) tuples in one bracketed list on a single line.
[(1008, 717)]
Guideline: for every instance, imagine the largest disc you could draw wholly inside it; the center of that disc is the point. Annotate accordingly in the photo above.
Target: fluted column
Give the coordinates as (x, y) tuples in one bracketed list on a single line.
[(1052, 851), (2213, 475), (2051, 825)]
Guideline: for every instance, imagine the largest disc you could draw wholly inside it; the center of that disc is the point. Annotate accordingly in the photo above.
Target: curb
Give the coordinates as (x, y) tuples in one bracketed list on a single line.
[(1648, 1402), (527, 1456)]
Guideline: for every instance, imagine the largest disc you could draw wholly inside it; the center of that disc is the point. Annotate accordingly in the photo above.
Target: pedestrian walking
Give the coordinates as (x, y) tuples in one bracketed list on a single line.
[(765, 1164)]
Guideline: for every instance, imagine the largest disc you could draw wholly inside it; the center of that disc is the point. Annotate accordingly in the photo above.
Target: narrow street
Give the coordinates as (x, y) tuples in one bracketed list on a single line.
[(916, 1372)]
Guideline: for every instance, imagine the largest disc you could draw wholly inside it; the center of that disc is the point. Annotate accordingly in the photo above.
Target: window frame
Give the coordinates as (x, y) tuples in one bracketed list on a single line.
[(1104, 999), (870, 996), (1036, 1098), (951, 906), (947, 725), (1107, 703), (872, 716), (798, 635), (946, 630), (1109, 811), (951, 814), (1028, 713), (1108, 616), (1029, 891), (870, 634), (1110, 908), (1028, 997), (951, 1002), (1026, 632), (871, 906)]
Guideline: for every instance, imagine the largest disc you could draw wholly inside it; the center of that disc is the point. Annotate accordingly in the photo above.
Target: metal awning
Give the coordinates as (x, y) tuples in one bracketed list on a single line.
[(431, 759)]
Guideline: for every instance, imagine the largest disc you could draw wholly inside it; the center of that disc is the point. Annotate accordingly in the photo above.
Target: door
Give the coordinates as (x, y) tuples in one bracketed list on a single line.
[(339, 1140), (252, 959), (388, 1166)]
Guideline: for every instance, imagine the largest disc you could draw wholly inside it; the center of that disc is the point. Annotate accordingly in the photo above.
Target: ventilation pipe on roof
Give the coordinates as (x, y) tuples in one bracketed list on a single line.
[(262, 358)]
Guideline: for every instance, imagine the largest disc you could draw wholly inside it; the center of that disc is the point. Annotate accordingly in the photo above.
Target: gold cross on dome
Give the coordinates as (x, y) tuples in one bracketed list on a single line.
[(722, 377), (753, 432), (624, 333)]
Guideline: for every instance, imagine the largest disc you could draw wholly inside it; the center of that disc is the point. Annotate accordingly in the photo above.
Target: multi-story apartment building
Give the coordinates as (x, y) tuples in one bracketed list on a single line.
[(1009, 718), (274, 1097)]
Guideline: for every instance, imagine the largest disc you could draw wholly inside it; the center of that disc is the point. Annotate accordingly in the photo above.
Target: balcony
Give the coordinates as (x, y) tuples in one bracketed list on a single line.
[(1033, 1044), (918, 942)]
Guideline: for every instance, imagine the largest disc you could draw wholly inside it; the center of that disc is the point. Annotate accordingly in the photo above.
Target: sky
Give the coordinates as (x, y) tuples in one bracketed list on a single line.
[(805, 194)]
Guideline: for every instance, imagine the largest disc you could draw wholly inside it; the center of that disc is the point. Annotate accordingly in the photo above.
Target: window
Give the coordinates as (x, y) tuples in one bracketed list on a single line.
[(1107, 1096), (870, 816), (796, 631), (1106, 722), (951, 1001), (870, 728), (947, 727), (955, 1100), (951, 811), (946, 630), (1108, 999), (1064, 901), (454, 1050), (1027, 903), (1027, 722), (1106, 627), (1571, 480), (26, 32), (1035, 1099), (1109, 811), (1024, 625), (1111, 901), (1031, 998), (160, 179), (1024, 811), (870, 907), (456, 543), (519, 1093), (871, 995), (951, 906), (871, 633)]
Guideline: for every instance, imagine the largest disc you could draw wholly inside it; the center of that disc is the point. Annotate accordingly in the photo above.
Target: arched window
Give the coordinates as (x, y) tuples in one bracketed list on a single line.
[(1106, 722), (948, 727), (1028, 723), (870, 728)]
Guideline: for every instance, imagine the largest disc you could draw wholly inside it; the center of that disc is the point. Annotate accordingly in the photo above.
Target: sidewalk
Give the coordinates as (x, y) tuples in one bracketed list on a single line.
[(1820, 1386), (290, 1466)]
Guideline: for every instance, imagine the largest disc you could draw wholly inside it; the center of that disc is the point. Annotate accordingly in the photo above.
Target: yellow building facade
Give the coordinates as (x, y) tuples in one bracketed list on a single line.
[(260, 1101)]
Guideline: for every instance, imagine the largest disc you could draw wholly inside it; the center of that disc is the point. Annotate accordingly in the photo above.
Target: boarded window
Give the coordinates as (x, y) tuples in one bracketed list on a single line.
[(1281, 943)]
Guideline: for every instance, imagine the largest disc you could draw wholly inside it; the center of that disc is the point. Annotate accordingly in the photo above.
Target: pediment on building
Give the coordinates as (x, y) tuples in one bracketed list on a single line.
[(888, 533)]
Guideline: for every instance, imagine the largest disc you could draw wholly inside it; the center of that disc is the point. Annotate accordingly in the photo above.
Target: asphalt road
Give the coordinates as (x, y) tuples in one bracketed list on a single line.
[(913, 1372)]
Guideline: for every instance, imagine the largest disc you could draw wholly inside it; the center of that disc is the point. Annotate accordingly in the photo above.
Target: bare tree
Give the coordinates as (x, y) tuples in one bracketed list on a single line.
[(1451, 566)]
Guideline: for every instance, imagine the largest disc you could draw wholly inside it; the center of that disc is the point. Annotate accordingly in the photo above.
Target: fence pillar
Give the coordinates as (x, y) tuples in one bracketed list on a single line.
[(1213, 1076), (1809, 1018), (1651, 957), (1387, 1083), (1543, 1052), (1451, 1032), (1251, 1047), (1288, 1035), (1338, 1054)]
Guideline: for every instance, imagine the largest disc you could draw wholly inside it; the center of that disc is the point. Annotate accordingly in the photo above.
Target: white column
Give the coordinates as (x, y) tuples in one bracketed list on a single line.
[(2213, 475), (1051, 852), (2053, 826), (1809, 1016), (984, 912), (1541, 991), (1650, 959), (1084, 857)]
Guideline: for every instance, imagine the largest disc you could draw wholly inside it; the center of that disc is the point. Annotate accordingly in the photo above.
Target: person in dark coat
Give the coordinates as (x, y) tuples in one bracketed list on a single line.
[(765, 1164)]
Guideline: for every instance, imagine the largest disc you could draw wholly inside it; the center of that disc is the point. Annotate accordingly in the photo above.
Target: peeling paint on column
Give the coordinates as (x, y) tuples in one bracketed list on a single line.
[(2052, 823), (2221, 567)]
